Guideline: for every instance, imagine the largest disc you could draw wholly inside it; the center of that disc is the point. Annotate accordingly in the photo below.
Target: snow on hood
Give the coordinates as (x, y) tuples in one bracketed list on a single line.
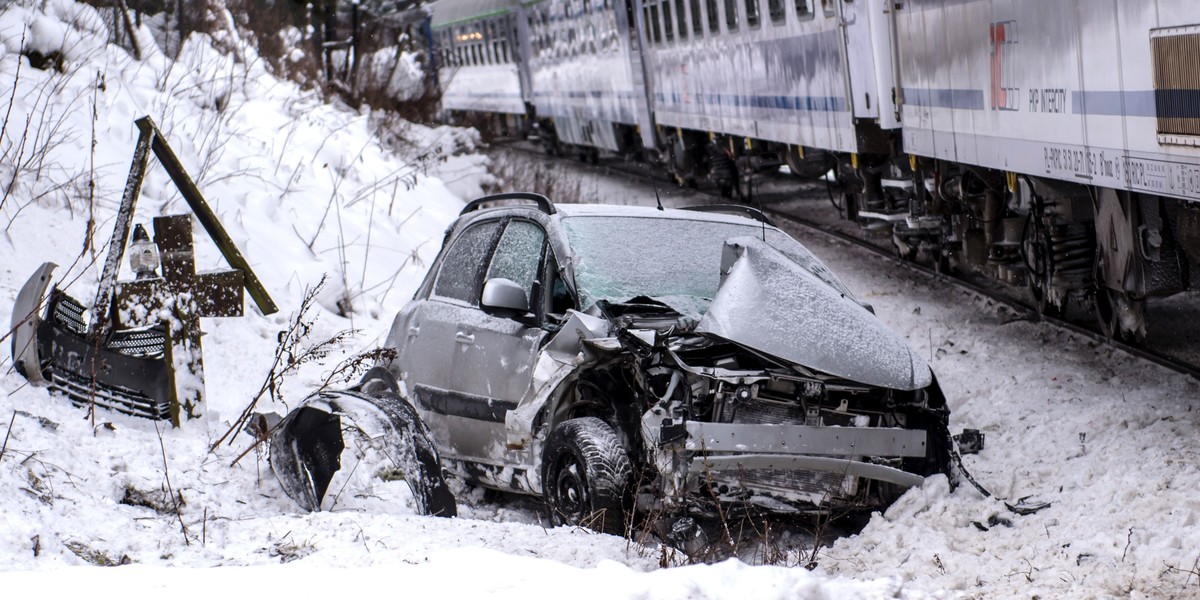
[(769, 303)]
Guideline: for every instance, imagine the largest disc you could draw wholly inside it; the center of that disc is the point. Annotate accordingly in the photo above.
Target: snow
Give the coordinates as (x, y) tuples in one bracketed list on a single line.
[(306, 190)]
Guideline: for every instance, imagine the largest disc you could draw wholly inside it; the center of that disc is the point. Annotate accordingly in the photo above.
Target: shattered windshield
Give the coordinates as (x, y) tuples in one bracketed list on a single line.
[(675, 261)]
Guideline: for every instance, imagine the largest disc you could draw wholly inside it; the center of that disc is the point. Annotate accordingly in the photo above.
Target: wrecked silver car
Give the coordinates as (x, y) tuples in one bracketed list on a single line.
[(622, 361)]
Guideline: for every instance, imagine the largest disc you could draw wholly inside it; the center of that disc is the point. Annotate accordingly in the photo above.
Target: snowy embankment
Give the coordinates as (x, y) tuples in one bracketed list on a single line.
[(306, 191)]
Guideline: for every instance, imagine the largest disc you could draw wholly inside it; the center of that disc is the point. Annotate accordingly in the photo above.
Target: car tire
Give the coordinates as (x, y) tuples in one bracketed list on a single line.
[(586, 475)]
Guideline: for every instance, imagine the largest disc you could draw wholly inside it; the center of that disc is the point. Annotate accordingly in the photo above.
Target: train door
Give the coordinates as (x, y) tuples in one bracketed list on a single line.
[(629, 21), (870, 56)]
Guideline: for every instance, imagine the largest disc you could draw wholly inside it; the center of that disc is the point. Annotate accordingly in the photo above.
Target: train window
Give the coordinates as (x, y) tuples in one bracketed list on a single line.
[(682, 20), (668, 27), (777, 11), (752, 20), (804, 9), (830, 7), (654, 24), (731, 15), (587, 7), (714, 21), (697, 26)]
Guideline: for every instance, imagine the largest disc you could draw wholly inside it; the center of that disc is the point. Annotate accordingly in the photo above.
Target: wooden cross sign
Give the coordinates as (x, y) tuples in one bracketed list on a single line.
[(177, 300)]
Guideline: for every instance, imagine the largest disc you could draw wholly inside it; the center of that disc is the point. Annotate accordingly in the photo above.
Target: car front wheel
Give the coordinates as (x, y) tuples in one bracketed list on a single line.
[(587, 475)]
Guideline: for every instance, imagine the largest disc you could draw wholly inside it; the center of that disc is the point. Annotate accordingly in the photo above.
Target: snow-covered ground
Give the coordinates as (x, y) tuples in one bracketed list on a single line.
[(306, 191)]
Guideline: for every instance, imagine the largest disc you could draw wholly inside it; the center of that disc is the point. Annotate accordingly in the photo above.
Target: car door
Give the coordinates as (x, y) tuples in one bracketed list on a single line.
[(495, 353), (424, 333)]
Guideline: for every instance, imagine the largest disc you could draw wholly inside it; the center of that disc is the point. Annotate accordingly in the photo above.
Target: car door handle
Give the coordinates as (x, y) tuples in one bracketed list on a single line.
[(464, 338), (414, 330)]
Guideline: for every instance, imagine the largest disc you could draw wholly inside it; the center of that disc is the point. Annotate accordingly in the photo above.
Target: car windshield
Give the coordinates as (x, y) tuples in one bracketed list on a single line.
[(676, 261)]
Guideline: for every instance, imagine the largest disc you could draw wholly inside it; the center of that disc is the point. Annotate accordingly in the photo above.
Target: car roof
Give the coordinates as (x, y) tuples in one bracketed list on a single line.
[(648, 212)]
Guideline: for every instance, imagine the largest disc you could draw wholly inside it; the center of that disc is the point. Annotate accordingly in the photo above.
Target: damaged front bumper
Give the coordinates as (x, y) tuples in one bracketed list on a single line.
[(724, 447), (805, 467)]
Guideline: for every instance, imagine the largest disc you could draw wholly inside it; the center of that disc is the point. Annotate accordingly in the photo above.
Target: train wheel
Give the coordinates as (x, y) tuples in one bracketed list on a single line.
[(903, 250), (1041, 297), (745, 188), (850, 205), (941, 262), (726, 189), (1121, 317)]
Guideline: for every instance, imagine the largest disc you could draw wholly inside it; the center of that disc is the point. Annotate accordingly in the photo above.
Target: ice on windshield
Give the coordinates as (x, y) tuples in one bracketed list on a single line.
[(669, 259)]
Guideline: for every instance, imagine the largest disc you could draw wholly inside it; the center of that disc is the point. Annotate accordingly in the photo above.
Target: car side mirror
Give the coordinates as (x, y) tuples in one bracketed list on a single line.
[(504, 297)]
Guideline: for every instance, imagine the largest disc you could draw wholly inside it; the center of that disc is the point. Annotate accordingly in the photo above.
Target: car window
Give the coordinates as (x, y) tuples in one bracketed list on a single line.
[(518, 255), (619, 258), (459, 277)]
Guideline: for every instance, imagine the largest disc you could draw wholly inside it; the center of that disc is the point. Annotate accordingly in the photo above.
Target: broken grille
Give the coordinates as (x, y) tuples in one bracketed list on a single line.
[(84, 392)]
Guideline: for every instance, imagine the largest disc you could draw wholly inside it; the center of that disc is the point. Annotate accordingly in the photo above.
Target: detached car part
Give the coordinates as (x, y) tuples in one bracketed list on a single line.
[(306, 447)]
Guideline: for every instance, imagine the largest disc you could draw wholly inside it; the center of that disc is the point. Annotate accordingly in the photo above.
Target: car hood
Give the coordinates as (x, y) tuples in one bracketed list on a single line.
[(769, 303)]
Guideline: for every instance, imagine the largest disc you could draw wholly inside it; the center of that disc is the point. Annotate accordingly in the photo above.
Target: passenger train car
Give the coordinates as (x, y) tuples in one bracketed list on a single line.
[(1049, 143), (587, 76), (481, 59)]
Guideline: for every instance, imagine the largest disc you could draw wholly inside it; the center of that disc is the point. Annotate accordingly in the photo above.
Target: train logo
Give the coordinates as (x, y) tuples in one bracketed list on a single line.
[(1003, 36)]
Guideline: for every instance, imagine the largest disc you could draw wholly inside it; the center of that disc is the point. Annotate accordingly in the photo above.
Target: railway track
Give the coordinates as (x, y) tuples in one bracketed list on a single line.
[(1004, 296)]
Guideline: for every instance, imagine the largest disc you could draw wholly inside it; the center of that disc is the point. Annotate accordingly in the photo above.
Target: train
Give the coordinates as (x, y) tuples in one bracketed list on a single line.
[(1050, 144)]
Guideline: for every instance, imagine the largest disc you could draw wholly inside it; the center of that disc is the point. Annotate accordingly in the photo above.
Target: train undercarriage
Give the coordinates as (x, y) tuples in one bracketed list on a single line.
[(1073, 246)]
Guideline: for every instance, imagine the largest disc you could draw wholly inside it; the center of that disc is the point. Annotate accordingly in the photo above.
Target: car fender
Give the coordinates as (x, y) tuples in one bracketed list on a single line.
[(563, 355), (307, 445)]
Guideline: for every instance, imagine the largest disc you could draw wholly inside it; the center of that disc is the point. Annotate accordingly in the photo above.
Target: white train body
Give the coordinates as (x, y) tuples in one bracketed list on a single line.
[(1063, 90), (585, 72), (778, 70)]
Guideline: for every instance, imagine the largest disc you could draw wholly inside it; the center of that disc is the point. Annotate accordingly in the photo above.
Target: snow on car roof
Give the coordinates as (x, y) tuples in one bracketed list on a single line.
[(649, 212)]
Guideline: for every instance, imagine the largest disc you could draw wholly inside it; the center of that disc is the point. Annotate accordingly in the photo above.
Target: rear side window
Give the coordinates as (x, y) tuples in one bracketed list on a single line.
[(462, 268), (518, 255)]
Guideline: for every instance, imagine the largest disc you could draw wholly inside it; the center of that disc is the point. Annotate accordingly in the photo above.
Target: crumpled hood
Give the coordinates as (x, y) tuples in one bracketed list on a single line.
[(771, 304)]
